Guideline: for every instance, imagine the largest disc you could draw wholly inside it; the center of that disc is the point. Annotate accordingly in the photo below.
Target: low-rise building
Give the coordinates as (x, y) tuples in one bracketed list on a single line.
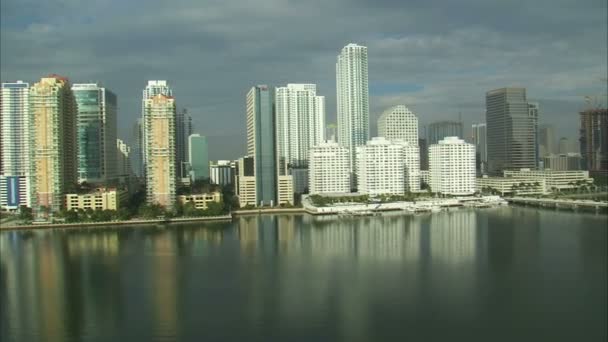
[(555, 180), (100, 198), (201, 201), (563, 162), (511, 186), (285, 189)]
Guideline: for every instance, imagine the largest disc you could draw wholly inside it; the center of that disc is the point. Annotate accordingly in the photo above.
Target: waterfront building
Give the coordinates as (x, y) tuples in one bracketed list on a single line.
[(53, 146), (512, 127), (399, 123), (546, 140), (183, 131), (285, 189), (246, 189), (479, 140), (201, 201), (511, 186), (555, 180), (14, 192), (452, 167), (261, 142), (98, 199), (381, 167), (300, 122), (352, 99), (329, 169), (15, 143), (96, 133), (198, 158), (222, 172), (437, 131), (159, 135), (594, 140), (562, 162), (153, 88), (411, 158)]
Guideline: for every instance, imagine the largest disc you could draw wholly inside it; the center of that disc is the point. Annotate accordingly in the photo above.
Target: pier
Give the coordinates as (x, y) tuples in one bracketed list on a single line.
[(564, 204)]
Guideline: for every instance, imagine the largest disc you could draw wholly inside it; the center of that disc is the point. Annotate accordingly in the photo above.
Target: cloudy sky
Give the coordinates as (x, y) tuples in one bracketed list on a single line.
[(439, 59)]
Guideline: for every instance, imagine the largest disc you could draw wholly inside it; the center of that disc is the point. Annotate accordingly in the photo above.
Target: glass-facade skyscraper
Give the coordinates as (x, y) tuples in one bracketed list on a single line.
[(512, 130), (261, 141), (437, 131), (95, 133), (198, 157)]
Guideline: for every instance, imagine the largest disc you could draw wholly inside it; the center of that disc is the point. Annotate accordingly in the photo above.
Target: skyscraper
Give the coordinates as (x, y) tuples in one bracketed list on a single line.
[(15, 143), (261, 142), (381, 167), (329, 169), (352, 99), (153, 88), (398, 123), (594, 140), (300, 120), (198, 157), (53, 143), (123, 161), (511, 130), (452, 167), (566, 146), (424, 154), (481, 152), (95, 133), (546, 140), (439, 130), (159, 135), (183, 130)]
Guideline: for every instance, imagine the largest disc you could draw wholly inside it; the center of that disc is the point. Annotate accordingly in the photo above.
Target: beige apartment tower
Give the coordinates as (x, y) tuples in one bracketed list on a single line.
[(159, 133), (53, 146)]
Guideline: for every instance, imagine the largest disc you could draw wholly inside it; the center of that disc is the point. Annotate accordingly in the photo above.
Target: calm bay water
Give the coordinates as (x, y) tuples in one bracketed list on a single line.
[(504, 274)]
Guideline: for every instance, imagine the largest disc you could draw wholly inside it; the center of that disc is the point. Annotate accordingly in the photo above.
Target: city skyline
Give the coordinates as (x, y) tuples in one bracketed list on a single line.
[(430, 68)]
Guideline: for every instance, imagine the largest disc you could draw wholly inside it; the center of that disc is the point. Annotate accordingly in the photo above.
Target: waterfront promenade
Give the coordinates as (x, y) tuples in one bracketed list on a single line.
[(569, 204)]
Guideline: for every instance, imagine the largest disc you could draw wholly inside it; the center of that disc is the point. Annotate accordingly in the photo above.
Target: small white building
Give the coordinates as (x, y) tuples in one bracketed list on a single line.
[(452, 167), (555, 180), (381, 167), (328, 169)]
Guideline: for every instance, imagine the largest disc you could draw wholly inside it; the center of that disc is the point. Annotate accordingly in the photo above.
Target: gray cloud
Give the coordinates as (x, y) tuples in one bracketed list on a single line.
[(212, 52)]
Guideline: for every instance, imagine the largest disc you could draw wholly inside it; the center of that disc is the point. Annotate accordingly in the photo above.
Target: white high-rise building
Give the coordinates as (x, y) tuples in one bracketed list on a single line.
[(452, 167), (300, 117), (157, 87), (381, 167), (329, 169), (352, 99), (399, 123), (411, 158)]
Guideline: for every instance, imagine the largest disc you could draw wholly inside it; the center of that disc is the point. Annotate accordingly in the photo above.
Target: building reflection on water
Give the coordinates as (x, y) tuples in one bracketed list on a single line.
[(290, 268)]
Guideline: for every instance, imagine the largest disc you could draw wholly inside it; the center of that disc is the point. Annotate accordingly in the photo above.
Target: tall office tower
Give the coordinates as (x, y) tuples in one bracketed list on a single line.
[(222, 172), (424, 154), (15, 144), (352, 99), (183, 130), (329, 169), (562, 162), (594, 140), (300, 121), (566, 146), (123, 160), (452, 167), (198, 157), (399, 123), (159, 135), (479, 140), (53, 143), (439, 130), (381, 167), (137, 148), (95, 133), (546, 140), (261, 143), (511, 130), (153, 88), (411, 158), (331, 132)]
